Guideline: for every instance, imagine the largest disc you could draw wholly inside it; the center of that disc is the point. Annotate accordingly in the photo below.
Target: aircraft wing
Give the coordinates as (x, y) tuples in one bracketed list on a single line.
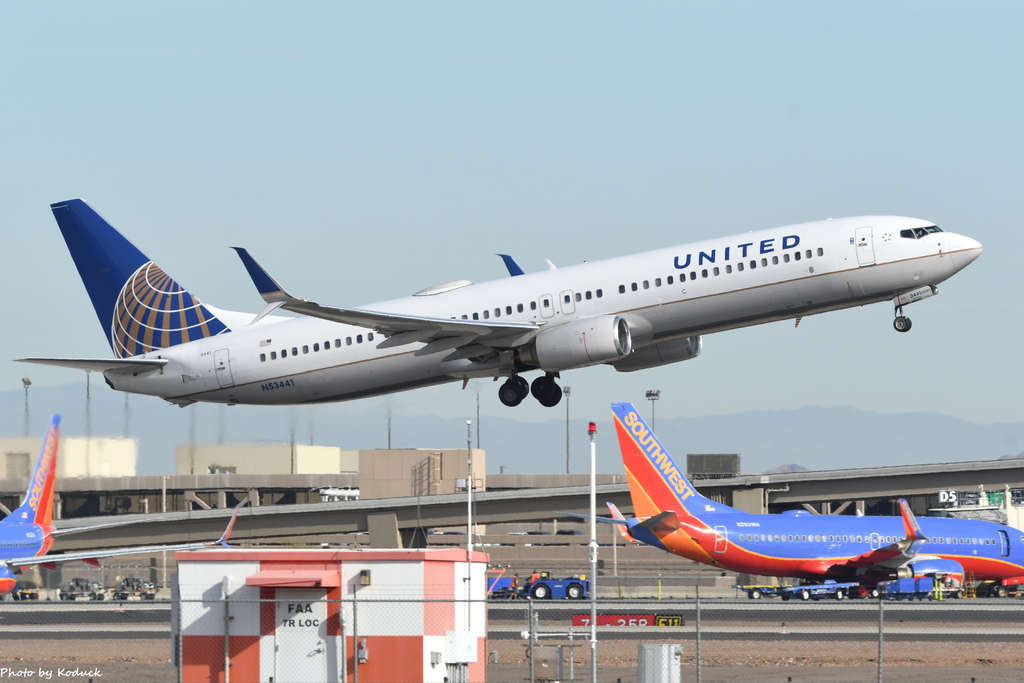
[(898, 553), (440, 334), (93, 556), (119, 365)]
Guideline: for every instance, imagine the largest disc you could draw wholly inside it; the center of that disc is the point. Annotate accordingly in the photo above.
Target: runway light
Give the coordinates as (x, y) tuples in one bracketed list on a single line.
[(592, 428)]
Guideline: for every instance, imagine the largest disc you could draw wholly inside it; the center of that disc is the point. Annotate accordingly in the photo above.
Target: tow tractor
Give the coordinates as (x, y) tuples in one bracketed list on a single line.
[(544, 588)]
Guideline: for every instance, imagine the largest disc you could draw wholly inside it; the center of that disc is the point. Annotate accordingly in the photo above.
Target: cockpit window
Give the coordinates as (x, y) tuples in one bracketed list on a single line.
[(918, 233)]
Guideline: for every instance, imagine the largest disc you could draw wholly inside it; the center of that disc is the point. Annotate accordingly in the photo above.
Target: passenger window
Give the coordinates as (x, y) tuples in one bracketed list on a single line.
[(775, 260), (600, 293), (669, 280), (634, 287), (369, 337), (273, 355), (533, 305), (785, 258), (821, 252), (715, 271), (284, 353), (622, 289), (519, 307), (796, 255), (728, 269), (589, 295), (764, 262), (704, 272), (739, 266), (263, 358), (753, 265), (487, 315), (657, 282), (476, 316), (809, 253), (359, 339), (579, 297), (647, 285), (316, 347), (305, 348), (348, 341)]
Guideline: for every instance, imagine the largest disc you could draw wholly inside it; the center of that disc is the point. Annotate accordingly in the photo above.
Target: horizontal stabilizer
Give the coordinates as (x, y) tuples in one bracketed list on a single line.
[(662, 523), (125, 366)]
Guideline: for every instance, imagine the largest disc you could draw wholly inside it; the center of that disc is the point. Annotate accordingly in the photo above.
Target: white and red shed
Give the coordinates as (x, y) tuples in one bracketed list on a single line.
[(375, 616)]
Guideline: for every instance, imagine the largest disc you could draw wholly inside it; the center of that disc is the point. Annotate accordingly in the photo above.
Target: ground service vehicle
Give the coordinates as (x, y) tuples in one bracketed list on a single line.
[(82, 588), (544, 588), (822, 591), (134, 587)]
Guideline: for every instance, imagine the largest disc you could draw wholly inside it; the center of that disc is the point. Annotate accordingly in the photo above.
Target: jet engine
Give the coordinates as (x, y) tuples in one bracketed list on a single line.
[(577, 344), (659, 354)]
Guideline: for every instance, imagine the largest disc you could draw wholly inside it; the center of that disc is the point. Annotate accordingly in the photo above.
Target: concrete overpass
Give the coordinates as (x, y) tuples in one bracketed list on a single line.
[(402, 522)]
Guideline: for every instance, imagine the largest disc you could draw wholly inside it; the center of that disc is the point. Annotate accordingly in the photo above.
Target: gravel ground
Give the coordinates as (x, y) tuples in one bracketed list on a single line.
[(147, 661)]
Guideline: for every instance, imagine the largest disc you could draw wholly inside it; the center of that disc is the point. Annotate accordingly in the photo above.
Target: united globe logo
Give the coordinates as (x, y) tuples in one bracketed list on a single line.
[(154, 312)]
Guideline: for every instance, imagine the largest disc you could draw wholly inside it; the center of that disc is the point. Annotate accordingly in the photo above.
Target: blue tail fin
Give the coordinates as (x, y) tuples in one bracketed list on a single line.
[(37, 507), (139, 306)]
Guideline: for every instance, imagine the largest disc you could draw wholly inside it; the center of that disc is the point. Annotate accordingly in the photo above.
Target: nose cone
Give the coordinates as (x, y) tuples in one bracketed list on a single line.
[(963, 250)]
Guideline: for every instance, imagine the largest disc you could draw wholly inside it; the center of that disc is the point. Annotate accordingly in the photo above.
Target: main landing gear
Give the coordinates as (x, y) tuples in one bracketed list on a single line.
[(545, 389)]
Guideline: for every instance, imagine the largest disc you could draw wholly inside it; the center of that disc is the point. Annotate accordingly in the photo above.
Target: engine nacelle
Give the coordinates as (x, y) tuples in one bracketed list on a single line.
[(580, 343), (935, 565), (8, 581), (659, 354)]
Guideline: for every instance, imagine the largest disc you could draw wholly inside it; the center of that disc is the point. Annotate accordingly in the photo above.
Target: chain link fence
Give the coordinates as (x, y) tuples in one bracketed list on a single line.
[(302, 637)]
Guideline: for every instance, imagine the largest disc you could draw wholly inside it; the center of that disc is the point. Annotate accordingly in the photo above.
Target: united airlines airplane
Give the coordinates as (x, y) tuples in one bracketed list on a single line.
[(630, 312), (673, 516), (27, 534)]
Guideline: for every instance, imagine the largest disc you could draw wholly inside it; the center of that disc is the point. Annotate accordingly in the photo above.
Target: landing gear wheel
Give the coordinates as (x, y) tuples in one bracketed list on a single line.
[(546, 390), (513, 391), (901, 323)]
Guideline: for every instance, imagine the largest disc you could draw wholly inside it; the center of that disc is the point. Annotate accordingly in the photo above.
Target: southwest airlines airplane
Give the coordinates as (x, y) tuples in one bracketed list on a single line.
[(673, 516), (27, 534), (630, 312)]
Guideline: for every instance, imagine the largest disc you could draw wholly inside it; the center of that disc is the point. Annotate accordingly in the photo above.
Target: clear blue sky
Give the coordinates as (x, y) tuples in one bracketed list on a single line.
[(363, 151)]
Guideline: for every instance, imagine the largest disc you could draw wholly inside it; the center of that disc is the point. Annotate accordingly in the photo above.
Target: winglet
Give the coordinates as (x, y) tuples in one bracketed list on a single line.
[(223, 540), (910, 525), (623, 528), (513, 267), (267, 286)]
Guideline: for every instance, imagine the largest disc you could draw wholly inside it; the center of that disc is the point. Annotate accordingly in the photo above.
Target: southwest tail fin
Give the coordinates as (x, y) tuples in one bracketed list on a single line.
[(37, 507), (656, 484), (139, 306)]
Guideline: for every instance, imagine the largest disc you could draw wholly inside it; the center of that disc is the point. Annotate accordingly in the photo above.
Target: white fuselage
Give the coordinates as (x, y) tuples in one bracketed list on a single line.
[(668, 294)]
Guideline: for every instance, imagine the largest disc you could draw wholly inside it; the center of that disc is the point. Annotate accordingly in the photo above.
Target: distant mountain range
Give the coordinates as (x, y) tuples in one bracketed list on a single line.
[(812, 438)]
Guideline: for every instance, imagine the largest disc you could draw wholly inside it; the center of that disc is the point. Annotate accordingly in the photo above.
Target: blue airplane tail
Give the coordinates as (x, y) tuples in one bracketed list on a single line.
[(37, 506), (139, 306)]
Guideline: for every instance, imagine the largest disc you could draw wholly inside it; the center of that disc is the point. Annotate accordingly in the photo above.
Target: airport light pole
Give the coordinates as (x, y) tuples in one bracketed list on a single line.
[(592, 432), (652, 396), (26, 382), (566, 391)]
